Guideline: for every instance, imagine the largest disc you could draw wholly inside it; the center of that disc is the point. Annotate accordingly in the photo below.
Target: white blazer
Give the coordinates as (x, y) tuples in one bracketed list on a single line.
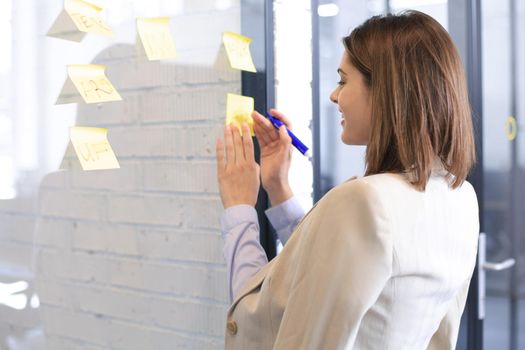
[(375, 264)]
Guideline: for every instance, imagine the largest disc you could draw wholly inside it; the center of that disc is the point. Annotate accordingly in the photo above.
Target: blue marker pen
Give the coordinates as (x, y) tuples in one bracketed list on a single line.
[(295, 141)]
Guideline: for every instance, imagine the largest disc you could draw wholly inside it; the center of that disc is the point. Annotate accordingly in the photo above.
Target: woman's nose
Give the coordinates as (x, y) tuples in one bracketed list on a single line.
[(333, 96)]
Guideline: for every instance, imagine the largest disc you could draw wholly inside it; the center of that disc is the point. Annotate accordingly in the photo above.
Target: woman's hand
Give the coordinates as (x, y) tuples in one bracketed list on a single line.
[(276, 156), (237, 171)]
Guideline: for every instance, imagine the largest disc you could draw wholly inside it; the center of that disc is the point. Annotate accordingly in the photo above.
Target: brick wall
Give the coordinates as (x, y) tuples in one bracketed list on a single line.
[(132, 258)]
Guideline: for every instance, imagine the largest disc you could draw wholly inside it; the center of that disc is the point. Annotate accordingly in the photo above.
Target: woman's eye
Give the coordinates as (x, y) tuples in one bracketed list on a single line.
[(340, 82)]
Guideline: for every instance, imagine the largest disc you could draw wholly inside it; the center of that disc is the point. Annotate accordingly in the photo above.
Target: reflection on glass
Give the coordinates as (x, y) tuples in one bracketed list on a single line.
[(7, 176), (11, 295), (126, 258)]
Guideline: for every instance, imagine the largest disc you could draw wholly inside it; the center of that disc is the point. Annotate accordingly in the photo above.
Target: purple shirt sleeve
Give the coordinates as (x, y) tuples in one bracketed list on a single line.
[(242, 248), (285, 217)]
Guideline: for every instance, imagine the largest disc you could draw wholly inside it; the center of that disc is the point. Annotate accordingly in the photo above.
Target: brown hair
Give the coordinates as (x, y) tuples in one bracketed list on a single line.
[(420, 107)]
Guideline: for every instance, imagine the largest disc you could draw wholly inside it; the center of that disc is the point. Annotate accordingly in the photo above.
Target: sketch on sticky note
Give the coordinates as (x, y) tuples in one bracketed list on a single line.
[(89, 23), (90, 152), (93, 87), (156, 38)]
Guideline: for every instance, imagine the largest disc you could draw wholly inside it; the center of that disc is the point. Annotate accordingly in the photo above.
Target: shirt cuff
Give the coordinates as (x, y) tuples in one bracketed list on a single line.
[(285, 213), (236, 215)]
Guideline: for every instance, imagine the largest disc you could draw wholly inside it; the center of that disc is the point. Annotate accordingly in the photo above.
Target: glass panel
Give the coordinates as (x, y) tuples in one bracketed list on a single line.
[(128, 258), (519, 179), (338, 161), (504, 177), (520, 172)]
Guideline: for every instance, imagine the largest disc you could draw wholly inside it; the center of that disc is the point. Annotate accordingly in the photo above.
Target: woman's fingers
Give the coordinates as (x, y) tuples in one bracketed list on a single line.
[(237, 142), (267, 130), (248, 143), (238, 148), (260, 133), (230, 149), (282, 118)]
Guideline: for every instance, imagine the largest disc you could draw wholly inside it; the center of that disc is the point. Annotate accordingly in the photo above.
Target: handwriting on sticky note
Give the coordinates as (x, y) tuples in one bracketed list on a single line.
[(78, 18), (86, 17), (92, 83), (238, 110), (92, 148), (238, 50), (156, 37), (90, 24)]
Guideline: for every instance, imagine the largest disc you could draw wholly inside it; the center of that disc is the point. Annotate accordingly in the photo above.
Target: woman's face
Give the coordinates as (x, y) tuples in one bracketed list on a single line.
[(352, 96)]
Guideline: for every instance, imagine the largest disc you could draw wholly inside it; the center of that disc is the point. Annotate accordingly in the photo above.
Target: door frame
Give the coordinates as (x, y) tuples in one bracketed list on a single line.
[(466, 31), (261, 86)]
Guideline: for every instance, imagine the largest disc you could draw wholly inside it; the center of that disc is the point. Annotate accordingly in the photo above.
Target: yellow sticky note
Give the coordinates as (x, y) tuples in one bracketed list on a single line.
[(156, 37), (78, 18), (92, 148), (238, 110), (90, 81), (238, 51)]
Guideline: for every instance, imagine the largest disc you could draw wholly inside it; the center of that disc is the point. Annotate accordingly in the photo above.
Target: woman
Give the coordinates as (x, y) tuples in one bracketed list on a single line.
[(383, 261)]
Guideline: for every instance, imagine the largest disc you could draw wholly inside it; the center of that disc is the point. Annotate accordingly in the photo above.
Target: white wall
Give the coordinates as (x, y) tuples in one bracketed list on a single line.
[(293, 85)]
